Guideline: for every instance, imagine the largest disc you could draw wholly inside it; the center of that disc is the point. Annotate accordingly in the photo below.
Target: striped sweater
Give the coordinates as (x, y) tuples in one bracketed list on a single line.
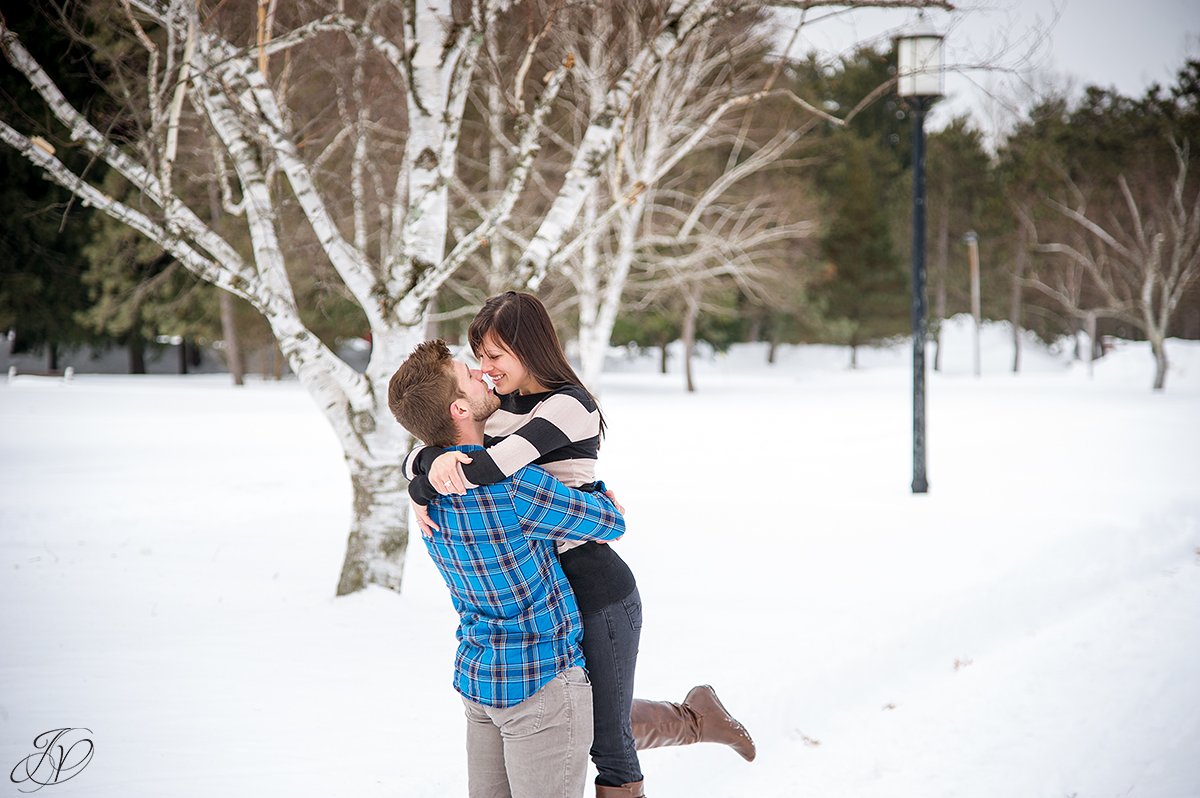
[(558, 430)]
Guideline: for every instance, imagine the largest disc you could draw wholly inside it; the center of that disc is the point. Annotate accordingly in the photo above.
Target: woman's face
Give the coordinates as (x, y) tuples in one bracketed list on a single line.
[(502, 367)]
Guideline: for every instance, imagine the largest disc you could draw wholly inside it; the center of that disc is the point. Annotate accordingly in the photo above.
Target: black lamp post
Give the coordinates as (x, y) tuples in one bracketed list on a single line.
[(919, 82)]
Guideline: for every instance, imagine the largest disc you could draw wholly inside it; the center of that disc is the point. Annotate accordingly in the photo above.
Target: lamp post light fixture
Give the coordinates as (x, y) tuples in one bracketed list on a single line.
[(919, 81)]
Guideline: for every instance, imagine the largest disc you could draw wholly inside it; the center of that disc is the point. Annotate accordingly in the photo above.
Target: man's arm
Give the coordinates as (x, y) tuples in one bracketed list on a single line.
[(549, 509)]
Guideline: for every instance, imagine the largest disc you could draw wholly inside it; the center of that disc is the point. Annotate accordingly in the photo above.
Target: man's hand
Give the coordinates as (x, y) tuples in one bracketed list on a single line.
[(422, 515), (612, 497), (446, 474)]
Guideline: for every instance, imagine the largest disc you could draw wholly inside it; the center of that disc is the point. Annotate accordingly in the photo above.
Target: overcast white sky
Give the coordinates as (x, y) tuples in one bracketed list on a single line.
[(1128, 44)]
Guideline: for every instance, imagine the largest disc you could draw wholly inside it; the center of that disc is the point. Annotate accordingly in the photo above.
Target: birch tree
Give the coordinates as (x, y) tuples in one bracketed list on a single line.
[(682, 105), (748, 245), (705, 100), (1116, 215), (1139, 258), (241, 94)]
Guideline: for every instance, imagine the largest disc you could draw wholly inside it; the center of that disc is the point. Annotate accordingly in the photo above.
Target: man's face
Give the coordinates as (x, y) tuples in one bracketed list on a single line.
[(480, 398)]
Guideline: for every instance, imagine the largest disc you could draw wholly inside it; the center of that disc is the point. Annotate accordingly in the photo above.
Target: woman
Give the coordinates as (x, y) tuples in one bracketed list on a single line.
[(548, 417)]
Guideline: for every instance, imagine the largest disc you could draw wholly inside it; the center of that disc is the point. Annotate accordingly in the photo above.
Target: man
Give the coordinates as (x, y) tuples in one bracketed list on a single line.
[(519, 666)]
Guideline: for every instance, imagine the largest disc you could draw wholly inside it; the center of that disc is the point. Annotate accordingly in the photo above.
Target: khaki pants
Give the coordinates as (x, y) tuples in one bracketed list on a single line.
[(537, 749)]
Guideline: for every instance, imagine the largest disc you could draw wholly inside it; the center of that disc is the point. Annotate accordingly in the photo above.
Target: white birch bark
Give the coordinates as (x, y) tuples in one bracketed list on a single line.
[(498, 247), (599, 141), (593, 342), (682, 102)]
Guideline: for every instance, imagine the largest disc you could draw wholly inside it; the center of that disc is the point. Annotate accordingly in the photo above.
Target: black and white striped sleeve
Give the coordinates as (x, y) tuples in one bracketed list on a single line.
[(419, 461), (556, 427)]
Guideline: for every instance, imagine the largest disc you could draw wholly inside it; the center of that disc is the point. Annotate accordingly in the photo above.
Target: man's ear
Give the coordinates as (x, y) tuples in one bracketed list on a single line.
[(459, 410)]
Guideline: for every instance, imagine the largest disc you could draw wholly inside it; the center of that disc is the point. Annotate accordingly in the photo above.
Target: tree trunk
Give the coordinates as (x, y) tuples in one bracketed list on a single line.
[(499, 250), (137, 353), (1091, 334), (776, 334), (52, 356), (691, 312), (588, 285), (432, 328), (662, 356), (374, 446), (1015, 309), (976, 311), (609, 291), (755, 331), (602, 281), (183, 360), (591, 348), (233, 348), (375, 552), (1158, 346)]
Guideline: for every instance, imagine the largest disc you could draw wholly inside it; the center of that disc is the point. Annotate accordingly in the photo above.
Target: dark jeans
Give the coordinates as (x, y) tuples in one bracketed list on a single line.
[(610, 645)]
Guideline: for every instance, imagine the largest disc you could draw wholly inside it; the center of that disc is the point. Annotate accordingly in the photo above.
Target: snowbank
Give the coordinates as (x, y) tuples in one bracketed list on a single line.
[(1029, 628)]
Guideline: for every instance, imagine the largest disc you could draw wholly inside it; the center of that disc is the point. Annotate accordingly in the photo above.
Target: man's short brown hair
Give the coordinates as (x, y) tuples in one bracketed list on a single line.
[(421, 391)]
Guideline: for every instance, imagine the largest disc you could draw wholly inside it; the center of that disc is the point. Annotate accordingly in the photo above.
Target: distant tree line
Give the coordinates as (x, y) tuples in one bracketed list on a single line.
[(1086, 213)]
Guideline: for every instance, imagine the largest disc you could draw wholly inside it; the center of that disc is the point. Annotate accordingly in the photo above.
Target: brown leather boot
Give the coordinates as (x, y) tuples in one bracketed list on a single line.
[(631, 790), (701, 718)]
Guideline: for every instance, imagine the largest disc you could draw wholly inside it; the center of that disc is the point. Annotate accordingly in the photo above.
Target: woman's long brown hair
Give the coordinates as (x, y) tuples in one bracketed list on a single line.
[(521, 323)]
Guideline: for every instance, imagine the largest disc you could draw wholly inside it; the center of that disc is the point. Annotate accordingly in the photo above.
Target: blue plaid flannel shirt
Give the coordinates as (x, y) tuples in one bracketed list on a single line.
[(519, 624)]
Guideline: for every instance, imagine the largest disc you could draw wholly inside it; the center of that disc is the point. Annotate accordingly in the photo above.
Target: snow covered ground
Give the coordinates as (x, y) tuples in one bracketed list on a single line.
[(1031, 627)]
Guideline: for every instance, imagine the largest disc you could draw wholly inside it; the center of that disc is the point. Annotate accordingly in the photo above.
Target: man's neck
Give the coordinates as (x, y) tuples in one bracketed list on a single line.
[(470, 433)]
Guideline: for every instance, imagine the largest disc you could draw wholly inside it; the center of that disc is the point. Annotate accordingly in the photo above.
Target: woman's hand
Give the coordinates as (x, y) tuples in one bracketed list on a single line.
[(612, 497), (446, 475), (422, 514)]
